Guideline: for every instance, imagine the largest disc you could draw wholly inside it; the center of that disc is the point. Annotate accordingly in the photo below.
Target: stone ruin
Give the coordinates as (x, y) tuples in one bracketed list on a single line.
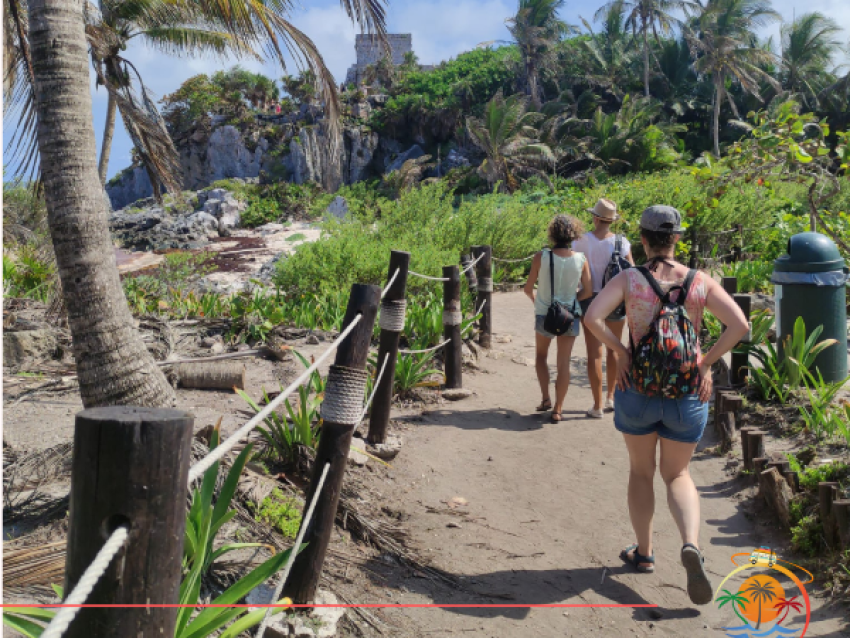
[(370, 50)]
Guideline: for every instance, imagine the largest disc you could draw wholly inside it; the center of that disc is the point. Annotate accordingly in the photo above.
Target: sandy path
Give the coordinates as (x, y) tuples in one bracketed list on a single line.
[(547, 513)]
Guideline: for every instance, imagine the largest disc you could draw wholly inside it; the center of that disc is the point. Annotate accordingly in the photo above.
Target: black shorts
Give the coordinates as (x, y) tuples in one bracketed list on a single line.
[(614, 316)]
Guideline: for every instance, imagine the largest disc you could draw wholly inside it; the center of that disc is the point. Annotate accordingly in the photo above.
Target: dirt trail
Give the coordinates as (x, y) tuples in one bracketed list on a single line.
[(546, 515)]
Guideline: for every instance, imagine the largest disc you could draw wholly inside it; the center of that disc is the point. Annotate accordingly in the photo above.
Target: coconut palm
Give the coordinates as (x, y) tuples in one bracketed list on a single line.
[(510, 142), (650, 15), (737, 600), (760, 592), (113, 365), (725, 47), (536, 28), (808, 46), (608, 60)]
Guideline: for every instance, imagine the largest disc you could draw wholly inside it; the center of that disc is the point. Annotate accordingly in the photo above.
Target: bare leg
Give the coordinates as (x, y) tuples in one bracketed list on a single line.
[(611, 361), (562, 383), (682, 495), (595, 350), (541, 364), (641, 494)]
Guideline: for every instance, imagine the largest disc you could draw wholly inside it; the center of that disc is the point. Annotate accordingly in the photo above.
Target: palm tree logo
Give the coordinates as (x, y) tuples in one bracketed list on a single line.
[(738, 600), (761, 592), (787, 605)]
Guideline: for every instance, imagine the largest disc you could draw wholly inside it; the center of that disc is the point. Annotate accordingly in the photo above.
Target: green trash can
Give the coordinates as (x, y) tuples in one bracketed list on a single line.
[(810, 283)]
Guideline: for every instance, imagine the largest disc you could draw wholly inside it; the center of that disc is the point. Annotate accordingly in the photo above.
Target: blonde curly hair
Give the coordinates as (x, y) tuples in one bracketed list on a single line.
[(564, 229)]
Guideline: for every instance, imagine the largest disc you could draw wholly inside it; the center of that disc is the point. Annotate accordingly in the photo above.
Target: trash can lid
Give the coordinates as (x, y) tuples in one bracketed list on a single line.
[(810, 252)]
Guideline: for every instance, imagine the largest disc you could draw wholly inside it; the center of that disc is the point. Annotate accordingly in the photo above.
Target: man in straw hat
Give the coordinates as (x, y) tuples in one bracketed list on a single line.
[(599, 245)]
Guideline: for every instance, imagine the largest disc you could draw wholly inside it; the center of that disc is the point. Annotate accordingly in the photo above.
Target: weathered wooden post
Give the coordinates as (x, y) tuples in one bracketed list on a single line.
[(730, 284), (827, 493), (755, 447), (469, 273), (727, 431), (452, 317), (341, 410), (391, 320), (841, 516), (130, 468), (484, 301), (759, 465), (738, 373), (745, 449)]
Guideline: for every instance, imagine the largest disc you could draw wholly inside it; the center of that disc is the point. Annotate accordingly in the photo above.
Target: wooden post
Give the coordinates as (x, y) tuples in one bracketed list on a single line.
[(718, 408), (452, 317), (730, 284), (471, 279), (841, 516), (484, 301), (755, 446), (738, 372), (827, 493), (347, 377), (759, 465), (745, 449), (775, 491), (793, 480), (727, 431), (130, 467), (392, 306), (734, 403)]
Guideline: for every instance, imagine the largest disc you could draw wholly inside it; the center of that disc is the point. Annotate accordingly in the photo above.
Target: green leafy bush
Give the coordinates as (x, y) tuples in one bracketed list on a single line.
[(280, 512)]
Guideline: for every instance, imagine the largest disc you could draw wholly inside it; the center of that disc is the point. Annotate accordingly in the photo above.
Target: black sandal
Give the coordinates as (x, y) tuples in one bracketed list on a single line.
[(545, 404), (556, 417), (699, 587), (637, 558)]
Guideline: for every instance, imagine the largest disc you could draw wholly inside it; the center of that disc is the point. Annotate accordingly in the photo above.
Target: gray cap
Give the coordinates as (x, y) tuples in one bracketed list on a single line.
[(664, 219)]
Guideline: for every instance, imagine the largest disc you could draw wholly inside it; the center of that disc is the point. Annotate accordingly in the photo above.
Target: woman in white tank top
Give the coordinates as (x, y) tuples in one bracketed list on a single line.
[(571, 275)]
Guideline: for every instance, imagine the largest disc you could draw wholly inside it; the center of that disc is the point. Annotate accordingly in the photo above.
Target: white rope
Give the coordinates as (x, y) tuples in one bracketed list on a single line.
[(470, 266), (375, 387), (84, 586), (305, 521), (437, 347), (481, 307), (390, 283), (416, 274), (344, 391), (205, 463), (514, 261)]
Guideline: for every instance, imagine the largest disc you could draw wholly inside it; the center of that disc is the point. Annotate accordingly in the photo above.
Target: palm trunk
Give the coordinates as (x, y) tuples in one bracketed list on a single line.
[(108, 132), (113, 365), (645, 60), (758, 624), (715, 122)]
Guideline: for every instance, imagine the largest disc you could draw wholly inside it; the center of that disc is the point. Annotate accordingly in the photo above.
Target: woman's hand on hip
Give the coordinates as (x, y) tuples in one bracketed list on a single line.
[(706, 384), (624, 366)]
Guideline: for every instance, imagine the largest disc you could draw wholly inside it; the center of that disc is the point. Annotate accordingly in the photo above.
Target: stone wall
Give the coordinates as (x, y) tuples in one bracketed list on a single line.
[(370, 50)]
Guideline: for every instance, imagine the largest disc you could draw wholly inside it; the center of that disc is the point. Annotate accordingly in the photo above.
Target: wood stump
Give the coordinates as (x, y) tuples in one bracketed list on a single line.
[(774, 489)]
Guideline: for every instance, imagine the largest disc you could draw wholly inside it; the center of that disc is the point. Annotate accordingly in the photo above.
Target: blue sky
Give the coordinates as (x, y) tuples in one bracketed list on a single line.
[(441, 29)]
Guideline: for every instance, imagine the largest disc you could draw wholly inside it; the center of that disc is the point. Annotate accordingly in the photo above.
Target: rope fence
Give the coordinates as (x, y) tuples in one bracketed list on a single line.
[(428, 277), (78, 596), (514, 261), (431, 349)]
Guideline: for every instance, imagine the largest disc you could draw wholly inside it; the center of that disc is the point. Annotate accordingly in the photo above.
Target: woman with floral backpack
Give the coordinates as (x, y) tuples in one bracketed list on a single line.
[(664, 383)]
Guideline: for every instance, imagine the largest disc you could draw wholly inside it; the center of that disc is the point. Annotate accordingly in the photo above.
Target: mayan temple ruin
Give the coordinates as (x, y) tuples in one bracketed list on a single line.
[(369, 51)]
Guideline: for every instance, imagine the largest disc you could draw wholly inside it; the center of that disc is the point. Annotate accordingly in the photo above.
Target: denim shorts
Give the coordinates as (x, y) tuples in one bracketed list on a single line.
[(681, 420), (572, 332)]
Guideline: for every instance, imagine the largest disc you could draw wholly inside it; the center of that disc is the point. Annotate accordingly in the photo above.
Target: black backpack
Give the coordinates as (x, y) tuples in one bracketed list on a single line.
[(559, 319), (617, 265)]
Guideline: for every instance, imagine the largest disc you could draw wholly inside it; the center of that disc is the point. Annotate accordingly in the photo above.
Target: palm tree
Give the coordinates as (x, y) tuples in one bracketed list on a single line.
[(737, 600), (608, 60), (536, 28), (760, 592), (725, 47), (508, 138), (113, 365), (646, 15), (787, 605), (808, 46)]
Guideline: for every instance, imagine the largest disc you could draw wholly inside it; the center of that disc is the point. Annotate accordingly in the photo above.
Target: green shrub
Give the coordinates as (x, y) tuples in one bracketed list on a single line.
[(835, 471), (283, 513), (260, 211), (806, 536)]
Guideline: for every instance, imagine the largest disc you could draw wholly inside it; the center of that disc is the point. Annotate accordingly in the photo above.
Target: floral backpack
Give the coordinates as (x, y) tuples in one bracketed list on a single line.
[(665, 362)]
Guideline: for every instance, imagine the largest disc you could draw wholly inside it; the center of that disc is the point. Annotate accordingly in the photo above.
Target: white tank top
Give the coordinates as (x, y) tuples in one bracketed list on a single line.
[(567, 279)]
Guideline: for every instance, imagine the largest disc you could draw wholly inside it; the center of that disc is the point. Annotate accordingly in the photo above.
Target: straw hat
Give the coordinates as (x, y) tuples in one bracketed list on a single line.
[(605, 210)]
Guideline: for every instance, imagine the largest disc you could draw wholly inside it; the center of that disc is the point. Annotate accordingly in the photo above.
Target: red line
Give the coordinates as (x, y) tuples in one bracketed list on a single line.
[(367, 606)]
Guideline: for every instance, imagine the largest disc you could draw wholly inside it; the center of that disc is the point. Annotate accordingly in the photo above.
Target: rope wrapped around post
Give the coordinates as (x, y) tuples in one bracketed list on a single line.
[(452, 317), (344, 390)]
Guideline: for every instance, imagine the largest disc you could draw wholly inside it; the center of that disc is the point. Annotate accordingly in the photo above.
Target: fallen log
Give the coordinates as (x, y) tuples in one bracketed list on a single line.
[(774, 489), (223, 376)]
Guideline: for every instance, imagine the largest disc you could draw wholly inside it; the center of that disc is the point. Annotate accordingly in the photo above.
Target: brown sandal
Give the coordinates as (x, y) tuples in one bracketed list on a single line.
[(556, 417), (545, 404)]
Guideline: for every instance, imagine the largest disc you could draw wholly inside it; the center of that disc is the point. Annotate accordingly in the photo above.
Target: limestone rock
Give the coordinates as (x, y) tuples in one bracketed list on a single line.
[(338, 209), (387, 450), (356, 452), (268, 269), (413, 152), (361, 110), (456, 394), (361, 147)]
